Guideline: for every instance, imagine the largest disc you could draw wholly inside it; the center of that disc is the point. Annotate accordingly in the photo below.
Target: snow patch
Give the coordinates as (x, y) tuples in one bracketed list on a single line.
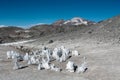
[(16, 43), (76, 21), (2, 26)]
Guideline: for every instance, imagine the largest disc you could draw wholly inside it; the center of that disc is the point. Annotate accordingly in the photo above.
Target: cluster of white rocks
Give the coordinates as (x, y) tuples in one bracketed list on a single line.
[(43, 58)]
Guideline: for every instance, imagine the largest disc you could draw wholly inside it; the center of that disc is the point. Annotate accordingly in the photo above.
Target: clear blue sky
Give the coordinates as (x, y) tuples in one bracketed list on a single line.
[(28, 12)]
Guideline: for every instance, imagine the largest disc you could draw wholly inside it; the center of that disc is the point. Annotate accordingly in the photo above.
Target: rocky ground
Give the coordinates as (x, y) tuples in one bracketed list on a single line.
[(103, 61)]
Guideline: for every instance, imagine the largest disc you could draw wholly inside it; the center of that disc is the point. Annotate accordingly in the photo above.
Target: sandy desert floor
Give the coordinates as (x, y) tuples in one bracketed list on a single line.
[(103, 61)]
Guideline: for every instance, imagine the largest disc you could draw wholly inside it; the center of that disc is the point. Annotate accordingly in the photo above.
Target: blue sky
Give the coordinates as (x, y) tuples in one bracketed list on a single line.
[(29, 12)]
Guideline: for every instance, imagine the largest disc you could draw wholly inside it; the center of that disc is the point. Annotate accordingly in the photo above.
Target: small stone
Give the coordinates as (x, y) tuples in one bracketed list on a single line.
[(50, 41)]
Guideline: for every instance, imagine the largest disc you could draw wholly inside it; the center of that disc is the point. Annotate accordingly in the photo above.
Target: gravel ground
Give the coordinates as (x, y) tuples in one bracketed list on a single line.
[(103, 62)]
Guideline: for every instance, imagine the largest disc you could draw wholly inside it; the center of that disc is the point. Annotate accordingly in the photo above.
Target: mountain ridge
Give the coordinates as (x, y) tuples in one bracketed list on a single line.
[(102, 29)]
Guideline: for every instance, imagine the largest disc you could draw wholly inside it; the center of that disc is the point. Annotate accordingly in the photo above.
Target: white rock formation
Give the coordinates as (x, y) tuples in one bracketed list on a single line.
[(45, 64), (54, 68), (70, 66), (65, 54), (39, 66), (14, 54), (75, 53), (16, 65), (57, 53), (82, 68), (26, 57), (9, 54)]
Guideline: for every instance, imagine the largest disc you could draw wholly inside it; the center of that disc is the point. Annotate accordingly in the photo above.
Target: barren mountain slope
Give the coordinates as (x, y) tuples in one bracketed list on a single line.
[(8, 34)]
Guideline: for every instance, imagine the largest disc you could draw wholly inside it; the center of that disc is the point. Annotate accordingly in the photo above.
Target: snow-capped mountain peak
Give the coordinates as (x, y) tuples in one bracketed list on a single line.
[(76, 21), (73, 21)]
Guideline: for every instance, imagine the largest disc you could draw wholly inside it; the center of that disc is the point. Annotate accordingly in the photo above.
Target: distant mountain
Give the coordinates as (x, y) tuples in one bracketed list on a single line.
[(104, 30), (74, 21)]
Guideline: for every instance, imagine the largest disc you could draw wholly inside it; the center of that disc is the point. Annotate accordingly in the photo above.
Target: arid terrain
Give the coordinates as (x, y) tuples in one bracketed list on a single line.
[(99, 43)]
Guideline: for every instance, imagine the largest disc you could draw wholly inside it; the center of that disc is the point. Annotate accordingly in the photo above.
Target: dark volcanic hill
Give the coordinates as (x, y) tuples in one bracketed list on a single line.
[(8, 34), (13, 33)]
